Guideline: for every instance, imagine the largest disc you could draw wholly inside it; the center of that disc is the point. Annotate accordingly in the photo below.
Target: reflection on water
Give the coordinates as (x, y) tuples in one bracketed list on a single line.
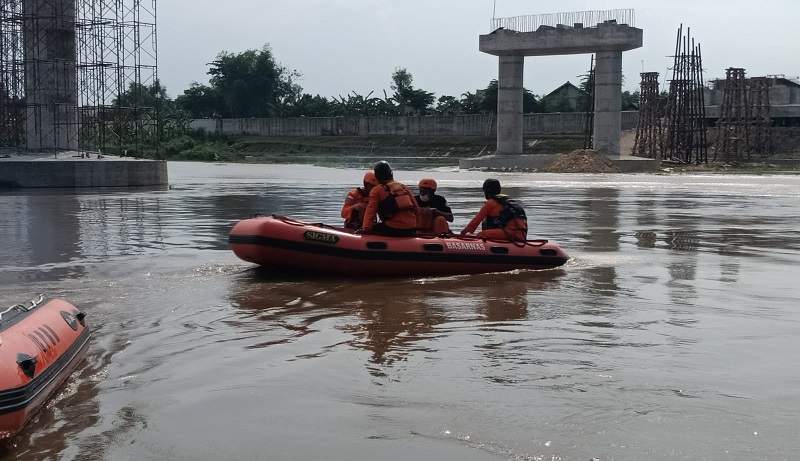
[(676, 316), (389, 327)]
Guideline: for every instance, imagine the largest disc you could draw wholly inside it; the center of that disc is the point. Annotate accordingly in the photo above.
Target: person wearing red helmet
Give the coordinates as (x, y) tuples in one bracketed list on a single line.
[(500, 218), (393, 203), (434, 213), (356, 202)]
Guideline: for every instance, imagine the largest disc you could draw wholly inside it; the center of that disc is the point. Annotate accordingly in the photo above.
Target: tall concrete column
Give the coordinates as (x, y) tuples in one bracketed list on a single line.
[(608, 102), (50, 74), (509, 105)]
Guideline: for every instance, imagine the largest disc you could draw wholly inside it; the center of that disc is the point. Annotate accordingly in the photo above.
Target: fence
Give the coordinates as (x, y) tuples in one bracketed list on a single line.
[(431, 125)]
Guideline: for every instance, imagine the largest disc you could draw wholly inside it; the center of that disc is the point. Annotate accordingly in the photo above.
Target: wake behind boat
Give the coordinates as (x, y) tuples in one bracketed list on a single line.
[(281, 242)]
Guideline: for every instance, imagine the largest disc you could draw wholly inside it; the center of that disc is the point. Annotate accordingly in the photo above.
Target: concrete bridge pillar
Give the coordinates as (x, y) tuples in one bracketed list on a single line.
[(509, 105), (607, 102), (50, 74)]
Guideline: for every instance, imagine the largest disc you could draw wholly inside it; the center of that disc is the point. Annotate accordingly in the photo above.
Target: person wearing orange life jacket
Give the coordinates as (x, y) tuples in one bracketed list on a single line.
[(434, 213), (356, 202), (393, 202), (501, 217)]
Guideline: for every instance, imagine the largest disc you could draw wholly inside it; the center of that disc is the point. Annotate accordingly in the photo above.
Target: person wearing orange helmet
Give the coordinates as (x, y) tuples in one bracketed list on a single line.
[(393, 203), (500, 218), (356, 202), (434, 213)]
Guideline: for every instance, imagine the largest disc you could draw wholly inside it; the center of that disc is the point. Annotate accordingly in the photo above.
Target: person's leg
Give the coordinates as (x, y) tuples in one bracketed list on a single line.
[(440, 226)]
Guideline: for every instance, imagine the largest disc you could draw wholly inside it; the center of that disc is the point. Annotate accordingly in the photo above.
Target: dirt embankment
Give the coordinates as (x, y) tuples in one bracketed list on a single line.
[(409, 146), (567, 150), (580, 161)]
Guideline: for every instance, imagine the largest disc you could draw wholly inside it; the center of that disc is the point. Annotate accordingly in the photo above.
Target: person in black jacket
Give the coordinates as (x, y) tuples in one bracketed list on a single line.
[(434, 213)]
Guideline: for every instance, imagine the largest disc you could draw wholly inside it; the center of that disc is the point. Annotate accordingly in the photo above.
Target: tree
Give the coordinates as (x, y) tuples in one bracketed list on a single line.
[(530, 104), (201, 101), (406, 95), (471, 103), (630, 99), (252, 83), (145, 97), (488, 102), (449, 105), (312, 106)]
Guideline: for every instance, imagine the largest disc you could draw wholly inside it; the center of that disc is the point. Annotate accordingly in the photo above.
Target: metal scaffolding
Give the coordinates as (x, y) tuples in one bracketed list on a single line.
[(744, 125), (649, 131), (78, 74), (686, 127)]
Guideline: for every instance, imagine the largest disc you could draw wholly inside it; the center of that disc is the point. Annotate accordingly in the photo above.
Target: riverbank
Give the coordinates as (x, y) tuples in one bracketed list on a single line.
[(440, 151)]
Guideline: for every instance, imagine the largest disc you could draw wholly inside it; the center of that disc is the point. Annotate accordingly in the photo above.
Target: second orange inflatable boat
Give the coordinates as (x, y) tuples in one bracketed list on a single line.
[(41, 343)]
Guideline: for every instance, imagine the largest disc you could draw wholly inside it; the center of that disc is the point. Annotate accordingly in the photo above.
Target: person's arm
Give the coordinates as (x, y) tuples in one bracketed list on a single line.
[(476, 221), (443, 210), (347, 208), (372, 208)]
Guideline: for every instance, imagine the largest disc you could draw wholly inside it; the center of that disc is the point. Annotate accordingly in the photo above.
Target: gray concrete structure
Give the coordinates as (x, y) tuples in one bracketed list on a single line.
[(50, 75), (416, 125), (78, 172), (606, 40)]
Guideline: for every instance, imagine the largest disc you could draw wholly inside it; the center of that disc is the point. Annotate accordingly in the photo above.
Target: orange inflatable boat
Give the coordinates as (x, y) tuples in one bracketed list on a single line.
[(281, 242), (41, 343)]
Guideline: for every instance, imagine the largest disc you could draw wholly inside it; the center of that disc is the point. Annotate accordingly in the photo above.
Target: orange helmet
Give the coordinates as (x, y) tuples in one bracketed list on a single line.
[(369, 178), (428, 182)]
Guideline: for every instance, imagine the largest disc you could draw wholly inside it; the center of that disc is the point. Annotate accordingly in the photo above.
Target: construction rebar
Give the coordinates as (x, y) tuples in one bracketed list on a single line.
[(744, 125), (649, 132), (686, 127)]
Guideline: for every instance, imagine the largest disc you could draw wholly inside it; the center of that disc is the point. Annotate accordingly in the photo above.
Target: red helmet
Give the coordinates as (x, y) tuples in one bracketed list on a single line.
[(428, 182), (369, 178)]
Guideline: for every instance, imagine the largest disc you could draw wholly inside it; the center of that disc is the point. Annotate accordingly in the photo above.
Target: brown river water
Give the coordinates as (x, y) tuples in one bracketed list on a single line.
[(672, 334)]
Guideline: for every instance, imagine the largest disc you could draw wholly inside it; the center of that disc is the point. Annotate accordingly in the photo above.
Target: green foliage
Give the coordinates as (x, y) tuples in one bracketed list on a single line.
[(201, 101), (630, 100), (471, 103), (530, 104), (488, 102), (449, 105), (405, 95), (242, 85), (362, 106)]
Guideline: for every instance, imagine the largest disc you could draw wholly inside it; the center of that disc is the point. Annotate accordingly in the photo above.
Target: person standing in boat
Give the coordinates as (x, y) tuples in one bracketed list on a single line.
[(434, 213), (393, 202), (356, 202), (501, 218)]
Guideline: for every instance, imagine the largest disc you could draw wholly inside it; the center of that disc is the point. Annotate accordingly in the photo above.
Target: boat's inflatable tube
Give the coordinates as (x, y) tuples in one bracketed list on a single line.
[(281, 242), (41, 343)]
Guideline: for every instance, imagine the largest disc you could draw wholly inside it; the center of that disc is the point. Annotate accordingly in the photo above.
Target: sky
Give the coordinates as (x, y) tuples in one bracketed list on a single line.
[(346, 46)]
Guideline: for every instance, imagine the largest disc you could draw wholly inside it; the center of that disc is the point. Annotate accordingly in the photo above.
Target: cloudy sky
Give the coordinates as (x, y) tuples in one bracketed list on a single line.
[(344, 46)]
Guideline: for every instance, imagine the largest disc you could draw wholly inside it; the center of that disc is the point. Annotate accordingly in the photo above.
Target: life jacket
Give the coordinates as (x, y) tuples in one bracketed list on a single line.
[(397, 200), (511, 210)]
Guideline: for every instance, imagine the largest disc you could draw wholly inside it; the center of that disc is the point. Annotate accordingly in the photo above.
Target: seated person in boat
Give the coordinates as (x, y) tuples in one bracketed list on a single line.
[(434, 214), (356, 202), (501, 218), (393, 202)]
